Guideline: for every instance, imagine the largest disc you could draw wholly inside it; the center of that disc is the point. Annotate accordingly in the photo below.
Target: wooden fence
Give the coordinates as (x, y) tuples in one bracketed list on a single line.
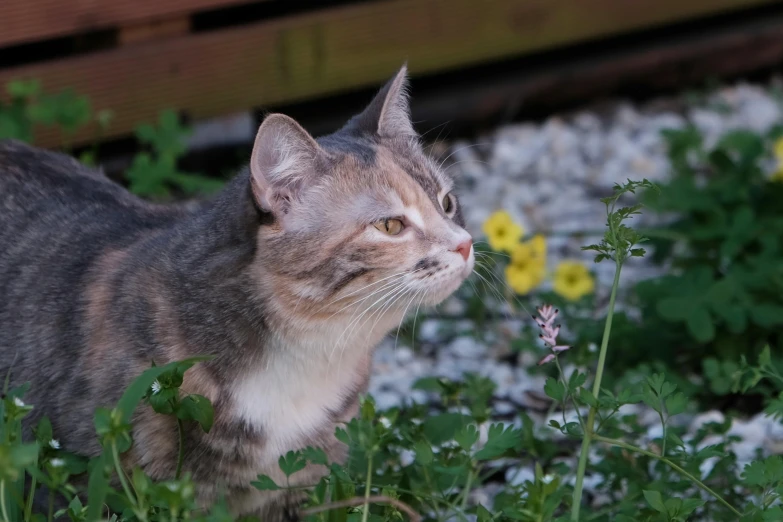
[(203, 58)]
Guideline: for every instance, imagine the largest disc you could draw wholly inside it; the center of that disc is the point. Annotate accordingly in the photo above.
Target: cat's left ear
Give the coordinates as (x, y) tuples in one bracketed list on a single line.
[(285, 158), (388, 114)]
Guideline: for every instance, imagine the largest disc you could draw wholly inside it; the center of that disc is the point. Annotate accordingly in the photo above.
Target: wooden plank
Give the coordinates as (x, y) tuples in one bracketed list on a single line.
[(290, 59), (24, 21), (154, 30)]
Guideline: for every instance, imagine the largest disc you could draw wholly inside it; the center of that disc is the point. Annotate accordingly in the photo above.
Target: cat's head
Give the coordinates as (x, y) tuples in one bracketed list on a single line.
[(363, 218)]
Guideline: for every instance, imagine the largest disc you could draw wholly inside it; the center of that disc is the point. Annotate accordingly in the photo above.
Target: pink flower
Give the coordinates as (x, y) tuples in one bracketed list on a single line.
[(550, 331)]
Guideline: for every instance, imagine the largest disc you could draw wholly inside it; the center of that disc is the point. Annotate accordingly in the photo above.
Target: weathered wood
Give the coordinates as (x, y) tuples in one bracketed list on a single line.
[(155, 30), (304, 56), (24, 21)]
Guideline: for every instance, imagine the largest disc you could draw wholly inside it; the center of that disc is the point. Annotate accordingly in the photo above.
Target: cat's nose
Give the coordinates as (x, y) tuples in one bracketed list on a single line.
[(464, 248)]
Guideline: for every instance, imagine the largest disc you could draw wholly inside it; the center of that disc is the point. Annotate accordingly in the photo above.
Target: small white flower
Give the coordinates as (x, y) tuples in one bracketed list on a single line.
[(57, 463), (385, 422), (54, 444), (173, 486), (546, 479), (19, 402), (155, 387)]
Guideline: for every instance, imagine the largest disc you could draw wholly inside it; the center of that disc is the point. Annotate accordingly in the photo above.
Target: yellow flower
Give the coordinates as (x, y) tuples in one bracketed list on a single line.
[(502, 233), (778, 151), (572, 280), (538, 245), (528, 265)]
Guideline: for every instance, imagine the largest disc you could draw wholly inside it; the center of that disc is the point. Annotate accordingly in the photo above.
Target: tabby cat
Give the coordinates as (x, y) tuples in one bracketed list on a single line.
[(289, 278)]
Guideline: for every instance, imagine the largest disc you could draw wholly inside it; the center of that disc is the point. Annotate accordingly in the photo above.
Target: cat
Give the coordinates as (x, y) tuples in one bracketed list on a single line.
[(288, 277)]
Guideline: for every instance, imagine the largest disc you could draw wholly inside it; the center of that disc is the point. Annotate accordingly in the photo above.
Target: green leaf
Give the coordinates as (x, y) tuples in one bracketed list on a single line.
[(499, 440), (139, 387), (443, 427), (675, 404), (689, 505), (655, 501), (423, 450), (467, 437), (97, 488), (700, 325), (587, 397), (197, 408), (767, 315), (264, 483), (292, 462), (765, 357), (675, 308), (555, 389), (315, 455)]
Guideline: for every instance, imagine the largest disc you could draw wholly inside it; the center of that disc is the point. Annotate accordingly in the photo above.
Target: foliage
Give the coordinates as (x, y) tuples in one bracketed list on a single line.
[(718, 308), (153, 172)]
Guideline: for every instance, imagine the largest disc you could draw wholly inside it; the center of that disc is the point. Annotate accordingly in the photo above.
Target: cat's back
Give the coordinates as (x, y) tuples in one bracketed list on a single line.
[(46, 195), (57, 217)]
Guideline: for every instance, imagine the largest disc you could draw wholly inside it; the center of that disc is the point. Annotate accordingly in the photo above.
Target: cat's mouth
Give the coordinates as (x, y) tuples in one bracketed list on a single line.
[(441, 284)]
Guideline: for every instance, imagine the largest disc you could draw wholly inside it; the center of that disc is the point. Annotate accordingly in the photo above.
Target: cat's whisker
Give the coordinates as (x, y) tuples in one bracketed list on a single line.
[(399, 276), (461, 149), (413, 298), (510, 290), (365, 287), (415, 316), (388, 307), (396, 287), (374, 292), (489, 286)]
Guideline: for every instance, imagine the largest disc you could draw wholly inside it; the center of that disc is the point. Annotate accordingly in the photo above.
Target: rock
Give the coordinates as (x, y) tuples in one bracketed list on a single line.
[(467, 348)]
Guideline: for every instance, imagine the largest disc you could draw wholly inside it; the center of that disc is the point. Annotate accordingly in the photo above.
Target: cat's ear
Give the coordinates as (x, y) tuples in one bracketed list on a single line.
[(388, 114), (284, 159)]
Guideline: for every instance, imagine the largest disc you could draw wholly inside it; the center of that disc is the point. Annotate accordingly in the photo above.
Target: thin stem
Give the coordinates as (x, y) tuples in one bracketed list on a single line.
[(28, 509), (380, 499), (675, 467), (2, 501), (466, 492), (181, 455), (366, 510), (121, 472), (663, 425), (588, 429), (573, 399), (50, 515), (124, 481)]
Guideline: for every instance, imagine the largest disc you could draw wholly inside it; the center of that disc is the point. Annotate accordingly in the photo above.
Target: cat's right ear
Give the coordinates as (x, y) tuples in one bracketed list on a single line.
[(284, 158)]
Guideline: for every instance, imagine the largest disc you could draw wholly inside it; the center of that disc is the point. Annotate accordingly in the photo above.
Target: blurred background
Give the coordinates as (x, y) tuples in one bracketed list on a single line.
[(537, 107)]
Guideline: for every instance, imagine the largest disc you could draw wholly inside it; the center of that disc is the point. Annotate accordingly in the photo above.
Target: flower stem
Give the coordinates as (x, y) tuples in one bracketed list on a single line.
[(28, 509), (588, 428), (181, 455), (121, 473), (675, 467), (2, 501), (366, 509), (124, 481), (466, 492)]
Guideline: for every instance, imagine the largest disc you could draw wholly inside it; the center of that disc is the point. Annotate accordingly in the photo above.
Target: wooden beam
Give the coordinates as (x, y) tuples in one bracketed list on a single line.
[(25, 21), (309, 55)]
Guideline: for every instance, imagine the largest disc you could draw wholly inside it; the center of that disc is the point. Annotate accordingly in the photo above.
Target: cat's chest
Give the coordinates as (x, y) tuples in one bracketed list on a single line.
[(293, 400)]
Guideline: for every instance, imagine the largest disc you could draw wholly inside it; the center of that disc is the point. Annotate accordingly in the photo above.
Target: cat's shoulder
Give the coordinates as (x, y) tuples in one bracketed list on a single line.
[(33, 171), (20, 159)]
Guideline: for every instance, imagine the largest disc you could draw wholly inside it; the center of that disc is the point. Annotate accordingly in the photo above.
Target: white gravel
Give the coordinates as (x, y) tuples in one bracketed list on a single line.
[(549, 176)]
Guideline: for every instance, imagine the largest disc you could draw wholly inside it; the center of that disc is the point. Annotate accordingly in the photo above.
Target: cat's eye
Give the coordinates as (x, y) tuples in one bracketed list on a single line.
[(389, 226), (448, 204)]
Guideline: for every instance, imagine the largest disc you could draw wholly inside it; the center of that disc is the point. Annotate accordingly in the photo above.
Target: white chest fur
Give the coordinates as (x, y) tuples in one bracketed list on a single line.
[(296, 392)]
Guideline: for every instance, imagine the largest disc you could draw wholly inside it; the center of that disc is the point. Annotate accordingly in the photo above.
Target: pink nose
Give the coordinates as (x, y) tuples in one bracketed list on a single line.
[(464, 248)]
